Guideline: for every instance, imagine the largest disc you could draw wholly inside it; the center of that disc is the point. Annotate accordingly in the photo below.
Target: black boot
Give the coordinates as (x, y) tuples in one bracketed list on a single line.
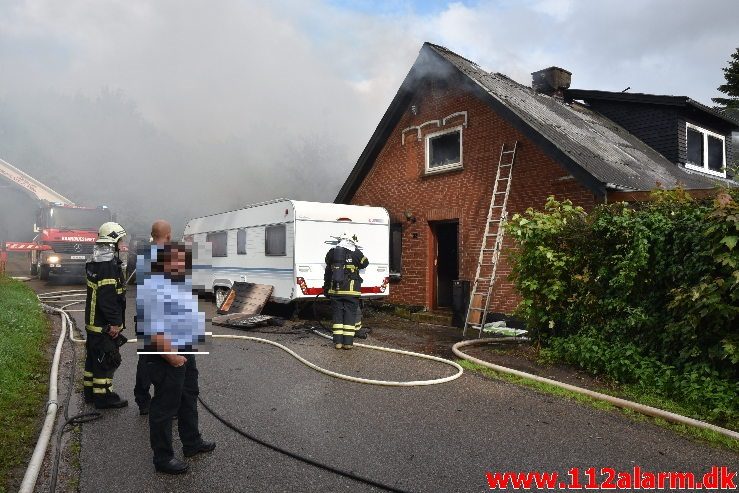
[(173, 466), (110, 400)]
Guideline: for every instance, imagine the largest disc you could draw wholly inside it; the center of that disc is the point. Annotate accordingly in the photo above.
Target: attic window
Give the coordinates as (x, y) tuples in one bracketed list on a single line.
[(444, 150), (706, 151)]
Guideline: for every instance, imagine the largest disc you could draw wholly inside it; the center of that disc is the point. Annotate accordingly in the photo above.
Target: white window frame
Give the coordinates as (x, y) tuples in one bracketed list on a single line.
[(446, 167), (705, 168)]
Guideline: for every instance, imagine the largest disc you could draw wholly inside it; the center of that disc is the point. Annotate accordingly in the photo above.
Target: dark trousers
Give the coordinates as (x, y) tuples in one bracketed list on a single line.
[(345, 314), (175, 394), (143, 382), (98, 383)]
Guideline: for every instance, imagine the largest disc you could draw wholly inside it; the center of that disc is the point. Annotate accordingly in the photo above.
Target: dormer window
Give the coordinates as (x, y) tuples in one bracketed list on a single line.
[(444, 150), (706, 151)]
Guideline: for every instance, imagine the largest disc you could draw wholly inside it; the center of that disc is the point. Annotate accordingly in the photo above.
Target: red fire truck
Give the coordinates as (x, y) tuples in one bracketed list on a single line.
[(65, 233)]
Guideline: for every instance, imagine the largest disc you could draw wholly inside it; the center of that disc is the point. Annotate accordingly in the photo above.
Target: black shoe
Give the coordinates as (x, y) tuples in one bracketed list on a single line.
[(143, 410), (203, 447), (110, 401), (173, 466)]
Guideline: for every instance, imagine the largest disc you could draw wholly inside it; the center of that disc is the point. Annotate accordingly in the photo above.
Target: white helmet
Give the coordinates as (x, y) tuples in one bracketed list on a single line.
[(110, 232)]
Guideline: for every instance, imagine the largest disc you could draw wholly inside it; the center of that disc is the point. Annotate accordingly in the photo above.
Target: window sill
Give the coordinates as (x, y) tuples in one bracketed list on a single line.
[(706, 171), (445, 169)]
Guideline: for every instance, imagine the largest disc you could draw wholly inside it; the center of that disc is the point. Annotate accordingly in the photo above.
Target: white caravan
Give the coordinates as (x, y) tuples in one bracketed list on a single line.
[(283, 243)]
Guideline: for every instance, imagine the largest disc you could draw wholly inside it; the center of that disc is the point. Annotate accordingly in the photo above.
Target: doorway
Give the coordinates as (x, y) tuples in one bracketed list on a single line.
[(446, 261)]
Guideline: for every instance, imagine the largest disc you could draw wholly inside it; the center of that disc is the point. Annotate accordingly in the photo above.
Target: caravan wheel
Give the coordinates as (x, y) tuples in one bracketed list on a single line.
[(220, 296)]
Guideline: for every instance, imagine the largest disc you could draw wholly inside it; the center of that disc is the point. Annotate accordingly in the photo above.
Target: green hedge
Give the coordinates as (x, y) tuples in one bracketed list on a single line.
[(645, 294)]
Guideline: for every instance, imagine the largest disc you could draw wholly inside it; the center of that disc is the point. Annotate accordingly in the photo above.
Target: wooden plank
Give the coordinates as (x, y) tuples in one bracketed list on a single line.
[(246, 298), (477, 301)]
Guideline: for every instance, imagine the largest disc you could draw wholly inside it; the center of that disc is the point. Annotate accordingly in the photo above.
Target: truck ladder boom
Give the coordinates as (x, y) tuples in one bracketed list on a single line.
[(31, 185)]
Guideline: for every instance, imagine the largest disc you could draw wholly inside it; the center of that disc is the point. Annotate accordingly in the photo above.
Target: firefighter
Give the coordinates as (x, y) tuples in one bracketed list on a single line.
[(104, 317), (342, 284)]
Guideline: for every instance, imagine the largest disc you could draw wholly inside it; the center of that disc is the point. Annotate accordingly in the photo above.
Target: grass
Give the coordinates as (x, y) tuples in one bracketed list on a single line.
[(24, 333), (701, 434)]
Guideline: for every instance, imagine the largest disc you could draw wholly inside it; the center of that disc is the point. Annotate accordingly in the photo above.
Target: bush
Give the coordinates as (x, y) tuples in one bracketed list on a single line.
[(644, 293)]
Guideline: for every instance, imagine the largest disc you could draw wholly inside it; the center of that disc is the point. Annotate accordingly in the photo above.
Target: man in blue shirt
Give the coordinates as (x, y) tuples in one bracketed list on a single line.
[(171, 328), (161, 233)]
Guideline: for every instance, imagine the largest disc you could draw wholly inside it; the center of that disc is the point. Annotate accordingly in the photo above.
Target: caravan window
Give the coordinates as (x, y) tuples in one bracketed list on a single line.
[(219, 243), (275, 240), (241, 241)]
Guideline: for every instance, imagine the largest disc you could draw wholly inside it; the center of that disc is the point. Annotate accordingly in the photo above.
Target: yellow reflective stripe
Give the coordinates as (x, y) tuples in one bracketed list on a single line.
[(337, 326), (93, 328), (97, 390), (338, 332), (87, 383), (106, 282), (93, 302), (87, 373), (361, 261), (91, 284), (350, 293), (100, 381), (119, 290)]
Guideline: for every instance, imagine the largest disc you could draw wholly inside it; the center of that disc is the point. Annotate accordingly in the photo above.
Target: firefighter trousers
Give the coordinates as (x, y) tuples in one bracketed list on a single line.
[(97, 382), (175, 394), (345, 316)]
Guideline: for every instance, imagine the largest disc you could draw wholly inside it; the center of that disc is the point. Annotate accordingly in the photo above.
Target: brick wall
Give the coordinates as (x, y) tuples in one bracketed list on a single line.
[(397, 182)]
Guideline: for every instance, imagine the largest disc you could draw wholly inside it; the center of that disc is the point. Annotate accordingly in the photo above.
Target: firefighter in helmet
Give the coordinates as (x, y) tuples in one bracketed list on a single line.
[(104, 317), (342, 285)]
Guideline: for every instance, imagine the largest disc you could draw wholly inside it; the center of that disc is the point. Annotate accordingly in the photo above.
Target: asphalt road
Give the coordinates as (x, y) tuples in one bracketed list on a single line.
[(436, 438)]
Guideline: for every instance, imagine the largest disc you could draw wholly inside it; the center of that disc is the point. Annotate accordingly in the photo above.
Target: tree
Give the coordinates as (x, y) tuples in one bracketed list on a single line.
[(731, 88)]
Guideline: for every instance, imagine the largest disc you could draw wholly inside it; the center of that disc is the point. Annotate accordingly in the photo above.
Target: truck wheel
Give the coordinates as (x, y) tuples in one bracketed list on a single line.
[(220, 296), (43, 272)]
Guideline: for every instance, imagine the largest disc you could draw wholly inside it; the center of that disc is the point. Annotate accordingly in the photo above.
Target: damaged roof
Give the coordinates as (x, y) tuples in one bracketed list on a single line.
[(636, 97), (597, 151)]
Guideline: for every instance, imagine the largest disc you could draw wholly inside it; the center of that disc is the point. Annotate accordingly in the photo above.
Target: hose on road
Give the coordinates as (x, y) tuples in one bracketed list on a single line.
[(69, 298), (618, 402)]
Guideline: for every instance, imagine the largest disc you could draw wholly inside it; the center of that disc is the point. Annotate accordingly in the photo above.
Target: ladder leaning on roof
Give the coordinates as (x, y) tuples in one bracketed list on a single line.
[(482, 288)]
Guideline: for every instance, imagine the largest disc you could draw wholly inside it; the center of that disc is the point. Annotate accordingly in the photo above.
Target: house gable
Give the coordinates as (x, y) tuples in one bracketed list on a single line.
[(418, 201), (430, 65)]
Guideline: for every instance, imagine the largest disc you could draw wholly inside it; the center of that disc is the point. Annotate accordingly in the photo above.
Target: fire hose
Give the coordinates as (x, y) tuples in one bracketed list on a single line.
[(61, 297), (70, 298)]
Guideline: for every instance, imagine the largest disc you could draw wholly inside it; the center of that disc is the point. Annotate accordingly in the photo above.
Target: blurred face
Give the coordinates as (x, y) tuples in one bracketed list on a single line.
[(176, 264), (123, 244)]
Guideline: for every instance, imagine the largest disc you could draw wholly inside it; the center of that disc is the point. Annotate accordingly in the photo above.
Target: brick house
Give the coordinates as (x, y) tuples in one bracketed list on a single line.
[(432, 160)]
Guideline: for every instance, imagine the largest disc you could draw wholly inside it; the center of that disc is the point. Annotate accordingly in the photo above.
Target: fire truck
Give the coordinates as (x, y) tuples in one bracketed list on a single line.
[(65, 232)]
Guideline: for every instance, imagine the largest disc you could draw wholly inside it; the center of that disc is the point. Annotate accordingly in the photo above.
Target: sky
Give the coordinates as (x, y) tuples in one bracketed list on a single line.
[(180, 108)]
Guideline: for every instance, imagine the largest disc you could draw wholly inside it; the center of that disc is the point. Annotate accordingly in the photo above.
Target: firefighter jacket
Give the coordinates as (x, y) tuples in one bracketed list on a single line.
[(106, 295), (342, 272)]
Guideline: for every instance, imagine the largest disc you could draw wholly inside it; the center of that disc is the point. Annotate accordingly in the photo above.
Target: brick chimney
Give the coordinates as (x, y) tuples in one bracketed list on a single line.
[(551, 81)]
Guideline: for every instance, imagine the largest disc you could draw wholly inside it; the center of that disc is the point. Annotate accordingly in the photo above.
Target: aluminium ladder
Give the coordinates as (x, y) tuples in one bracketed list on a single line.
[(482, 289)]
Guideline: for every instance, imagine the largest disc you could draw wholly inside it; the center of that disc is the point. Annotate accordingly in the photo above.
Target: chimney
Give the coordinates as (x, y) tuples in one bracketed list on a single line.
[(551, 81)]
